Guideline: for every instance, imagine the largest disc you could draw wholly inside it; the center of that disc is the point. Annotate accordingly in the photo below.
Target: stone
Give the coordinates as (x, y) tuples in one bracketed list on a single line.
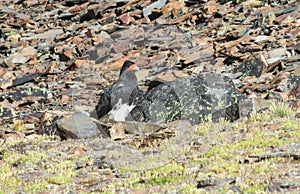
[(195, 98), (78, 125)]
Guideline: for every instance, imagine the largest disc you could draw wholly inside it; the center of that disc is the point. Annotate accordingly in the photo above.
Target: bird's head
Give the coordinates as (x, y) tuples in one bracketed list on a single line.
[(129, 66)]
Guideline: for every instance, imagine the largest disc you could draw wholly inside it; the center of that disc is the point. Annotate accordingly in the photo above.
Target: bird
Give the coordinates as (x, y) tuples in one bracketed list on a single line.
[(118, 100)]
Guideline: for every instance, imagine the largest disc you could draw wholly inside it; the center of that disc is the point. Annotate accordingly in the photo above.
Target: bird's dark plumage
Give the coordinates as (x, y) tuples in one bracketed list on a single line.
[(127, 66), (118, 99)]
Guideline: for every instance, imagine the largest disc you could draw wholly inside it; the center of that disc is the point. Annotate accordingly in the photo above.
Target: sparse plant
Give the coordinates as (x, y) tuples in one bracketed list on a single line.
[(280, 109)]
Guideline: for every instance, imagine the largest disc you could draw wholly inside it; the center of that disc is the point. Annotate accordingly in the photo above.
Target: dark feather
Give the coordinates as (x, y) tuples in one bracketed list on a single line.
[(124, 90)]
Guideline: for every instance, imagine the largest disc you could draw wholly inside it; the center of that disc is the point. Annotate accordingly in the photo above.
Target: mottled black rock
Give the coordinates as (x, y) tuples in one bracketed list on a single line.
[(292, 85), (19, 95), (5, 112), (251, 67), (196, 99), (25, 79)]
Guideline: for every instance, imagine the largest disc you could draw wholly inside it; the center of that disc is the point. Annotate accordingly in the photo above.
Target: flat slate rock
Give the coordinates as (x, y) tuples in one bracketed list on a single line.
[(79, 125)]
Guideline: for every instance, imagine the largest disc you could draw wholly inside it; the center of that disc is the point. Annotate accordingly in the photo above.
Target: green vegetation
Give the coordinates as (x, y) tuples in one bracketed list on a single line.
[(220, 150), (59, 180), (18, 126), (11, 184), (280, 109), (39, 186), (162, 180)]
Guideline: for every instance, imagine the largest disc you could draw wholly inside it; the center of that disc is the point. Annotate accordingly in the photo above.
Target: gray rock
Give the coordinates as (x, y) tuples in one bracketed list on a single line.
[(195, 98), (79, 125)]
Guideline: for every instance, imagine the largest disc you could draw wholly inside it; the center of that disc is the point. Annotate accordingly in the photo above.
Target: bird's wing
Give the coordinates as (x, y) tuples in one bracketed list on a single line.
[(122, 99), (122, 91), (104, 105)]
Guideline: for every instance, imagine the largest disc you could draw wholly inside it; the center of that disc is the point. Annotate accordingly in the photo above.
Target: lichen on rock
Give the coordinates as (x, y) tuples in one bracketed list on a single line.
[(195, 98)]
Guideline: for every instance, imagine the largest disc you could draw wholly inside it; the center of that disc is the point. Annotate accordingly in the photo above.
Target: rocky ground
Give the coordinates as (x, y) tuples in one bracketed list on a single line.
[(57, 56)]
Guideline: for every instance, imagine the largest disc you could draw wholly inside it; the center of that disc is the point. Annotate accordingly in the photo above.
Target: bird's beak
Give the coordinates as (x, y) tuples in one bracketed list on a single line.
[(133, 67)]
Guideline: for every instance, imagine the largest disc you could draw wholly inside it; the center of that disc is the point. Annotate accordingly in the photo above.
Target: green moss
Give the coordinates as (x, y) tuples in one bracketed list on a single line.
[(107, 192), (19, 126), (161, 175), (59, 179), (260, 169), (291, 135), (4, 170), (11, 33), (189, 189), (200, 161), (291, 124), (11, 184), (62, 165), (12, 157), (168, 169), (227, 167), (258, 140), (259, 188), (162, 180), (40, 186)]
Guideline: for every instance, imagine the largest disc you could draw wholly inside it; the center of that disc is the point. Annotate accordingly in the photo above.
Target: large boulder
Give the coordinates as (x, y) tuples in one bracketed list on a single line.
[(195, 98)]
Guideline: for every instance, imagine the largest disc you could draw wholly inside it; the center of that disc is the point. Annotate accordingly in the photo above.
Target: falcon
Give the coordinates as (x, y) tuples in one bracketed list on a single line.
[(118, 100)]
